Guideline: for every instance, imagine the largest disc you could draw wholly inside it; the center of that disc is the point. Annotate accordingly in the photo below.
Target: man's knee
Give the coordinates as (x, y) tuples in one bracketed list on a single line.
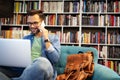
[(43, 64)]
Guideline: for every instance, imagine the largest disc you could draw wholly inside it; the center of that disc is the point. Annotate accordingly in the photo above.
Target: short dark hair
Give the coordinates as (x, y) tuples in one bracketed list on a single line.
[(33, 12)]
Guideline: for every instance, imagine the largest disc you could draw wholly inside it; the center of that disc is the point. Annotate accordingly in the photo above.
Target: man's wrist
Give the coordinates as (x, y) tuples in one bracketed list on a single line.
[(47, 43), (46, 40)]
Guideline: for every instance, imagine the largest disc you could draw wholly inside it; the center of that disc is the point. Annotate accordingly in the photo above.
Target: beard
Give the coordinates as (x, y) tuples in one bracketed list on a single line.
[(34, 30)]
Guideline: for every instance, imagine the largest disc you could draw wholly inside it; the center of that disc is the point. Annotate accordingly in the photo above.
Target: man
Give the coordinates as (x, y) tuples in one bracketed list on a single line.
[(45, 50)]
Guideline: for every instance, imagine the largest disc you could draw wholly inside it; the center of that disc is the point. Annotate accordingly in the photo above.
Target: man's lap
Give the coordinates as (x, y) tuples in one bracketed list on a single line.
[(40, 69), (37, 65), (11, 71)]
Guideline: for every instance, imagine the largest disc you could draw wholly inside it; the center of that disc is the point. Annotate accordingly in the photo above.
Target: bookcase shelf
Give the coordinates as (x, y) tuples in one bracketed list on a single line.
[(91, 23), (107, 14)]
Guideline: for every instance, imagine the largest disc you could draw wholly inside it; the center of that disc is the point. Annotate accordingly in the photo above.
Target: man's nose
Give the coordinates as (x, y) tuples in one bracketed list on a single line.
[(31, 25)]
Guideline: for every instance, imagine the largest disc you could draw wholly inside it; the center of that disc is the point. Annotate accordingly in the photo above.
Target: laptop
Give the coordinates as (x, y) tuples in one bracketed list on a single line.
[(15, 52)]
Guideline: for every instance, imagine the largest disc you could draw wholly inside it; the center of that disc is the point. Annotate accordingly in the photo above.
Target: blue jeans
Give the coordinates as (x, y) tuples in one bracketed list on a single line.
[(40, 69)]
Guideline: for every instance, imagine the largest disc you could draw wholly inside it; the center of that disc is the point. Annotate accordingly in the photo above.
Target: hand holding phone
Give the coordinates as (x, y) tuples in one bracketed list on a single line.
[(42, 26), (43, 30)]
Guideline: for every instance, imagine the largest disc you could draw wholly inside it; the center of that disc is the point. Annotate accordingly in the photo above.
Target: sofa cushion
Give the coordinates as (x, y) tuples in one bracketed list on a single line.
[(67, 50)]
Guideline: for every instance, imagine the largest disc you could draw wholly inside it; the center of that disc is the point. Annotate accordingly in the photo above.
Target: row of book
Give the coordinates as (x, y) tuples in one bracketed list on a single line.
[(113, 6), (90, 6), (100, 5), (102, 20), (47, 6), (104, 52), (113, 37), (16, 19), (68, 36), (69, 19), (20, 6), (69, 6), (99, 37), (65, 19), (109, 20), (93, 37), (113, 52), (109, 52), (14, 33), (90, 20), (59, 6), (114, 65)]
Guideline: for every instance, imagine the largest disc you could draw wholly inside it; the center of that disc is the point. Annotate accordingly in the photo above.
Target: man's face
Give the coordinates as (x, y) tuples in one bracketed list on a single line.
[(34, 22)]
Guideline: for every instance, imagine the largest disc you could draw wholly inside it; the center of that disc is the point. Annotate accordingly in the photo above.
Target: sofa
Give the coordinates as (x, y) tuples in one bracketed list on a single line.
[(100, 72)]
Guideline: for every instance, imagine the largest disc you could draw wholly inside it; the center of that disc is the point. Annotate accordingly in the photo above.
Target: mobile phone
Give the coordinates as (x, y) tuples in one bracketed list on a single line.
[(43, 24)]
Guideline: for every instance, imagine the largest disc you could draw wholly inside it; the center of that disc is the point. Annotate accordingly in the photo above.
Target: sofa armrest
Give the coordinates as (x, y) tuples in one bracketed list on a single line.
[(104, 73)]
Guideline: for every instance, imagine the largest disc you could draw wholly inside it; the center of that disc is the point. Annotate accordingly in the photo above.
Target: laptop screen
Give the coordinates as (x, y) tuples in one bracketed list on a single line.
[(15, 52)]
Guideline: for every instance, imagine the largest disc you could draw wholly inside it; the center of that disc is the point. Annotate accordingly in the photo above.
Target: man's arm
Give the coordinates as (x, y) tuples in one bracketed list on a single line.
[(53, 51)]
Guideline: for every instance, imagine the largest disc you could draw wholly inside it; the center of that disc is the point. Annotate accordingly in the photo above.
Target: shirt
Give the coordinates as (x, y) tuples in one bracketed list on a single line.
[(36, 48)]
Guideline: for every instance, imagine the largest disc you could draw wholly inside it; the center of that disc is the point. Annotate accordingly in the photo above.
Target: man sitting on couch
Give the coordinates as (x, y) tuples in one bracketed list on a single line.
[(45, 52)]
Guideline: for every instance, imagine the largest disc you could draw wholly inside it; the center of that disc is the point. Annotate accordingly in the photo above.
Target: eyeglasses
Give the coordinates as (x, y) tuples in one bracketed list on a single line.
[(33, 23)]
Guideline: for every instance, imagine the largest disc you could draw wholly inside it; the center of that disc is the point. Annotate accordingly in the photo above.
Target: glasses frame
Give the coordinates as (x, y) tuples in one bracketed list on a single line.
[(35, 23)]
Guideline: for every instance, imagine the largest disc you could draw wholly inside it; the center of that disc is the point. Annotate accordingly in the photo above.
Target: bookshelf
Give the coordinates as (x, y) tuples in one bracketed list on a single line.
[(100, 29), (91, 23)]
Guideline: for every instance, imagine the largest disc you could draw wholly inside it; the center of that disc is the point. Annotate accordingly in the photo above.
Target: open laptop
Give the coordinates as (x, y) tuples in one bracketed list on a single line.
[(15, 52)]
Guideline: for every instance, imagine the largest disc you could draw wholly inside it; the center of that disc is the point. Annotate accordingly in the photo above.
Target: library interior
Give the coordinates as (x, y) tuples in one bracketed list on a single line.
[(79, 24)]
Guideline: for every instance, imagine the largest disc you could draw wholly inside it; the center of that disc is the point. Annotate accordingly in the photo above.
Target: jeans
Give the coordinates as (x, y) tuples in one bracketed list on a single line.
[(40, 69), (4, 77)]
